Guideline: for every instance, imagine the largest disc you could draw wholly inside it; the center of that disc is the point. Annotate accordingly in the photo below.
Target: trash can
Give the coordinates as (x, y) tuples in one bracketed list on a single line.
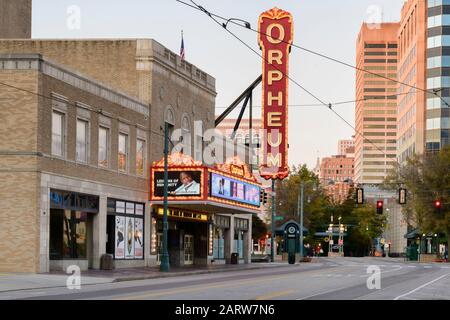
[(291, 258), (106, 262), (234, 258)]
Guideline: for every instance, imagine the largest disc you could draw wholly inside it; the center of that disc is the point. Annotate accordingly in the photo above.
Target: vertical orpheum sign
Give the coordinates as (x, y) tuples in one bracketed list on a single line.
[(275, 39)]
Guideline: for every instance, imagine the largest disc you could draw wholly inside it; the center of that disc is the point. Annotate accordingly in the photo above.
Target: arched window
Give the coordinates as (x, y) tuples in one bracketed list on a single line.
[(186, 134), (169, 117)]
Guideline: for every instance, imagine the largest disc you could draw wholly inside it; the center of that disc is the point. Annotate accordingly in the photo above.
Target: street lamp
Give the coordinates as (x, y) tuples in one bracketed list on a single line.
[(300, 211), (165, 254)]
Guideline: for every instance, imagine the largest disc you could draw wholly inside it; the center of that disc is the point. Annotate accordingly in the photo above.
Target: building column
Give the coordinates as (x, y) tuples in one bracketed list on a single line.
[(148, 258), (44, 212), (248, 245), (99, 232)]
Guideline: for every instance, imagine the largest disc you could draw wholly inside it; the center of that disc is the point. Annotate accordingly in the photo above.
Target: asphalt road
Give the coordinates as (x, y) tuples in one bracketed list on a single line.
[(327, 279)]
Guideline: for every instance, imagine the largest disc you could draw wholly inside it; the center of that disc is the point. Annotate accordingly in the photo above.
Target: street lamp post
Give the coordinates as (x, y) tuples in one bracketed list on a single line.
[(165, 254), (300, 211), (272, 242)]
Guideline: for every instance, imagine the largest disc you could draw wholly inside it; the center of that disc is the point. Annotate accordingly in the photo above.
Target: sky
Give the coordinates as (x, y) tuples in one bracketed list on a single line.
[(326, 26)]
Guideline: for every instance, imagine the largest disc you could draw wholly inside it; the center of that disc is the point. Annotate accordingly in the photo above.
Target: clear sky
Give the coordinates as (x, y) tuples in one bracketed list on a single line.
[(326, 26)]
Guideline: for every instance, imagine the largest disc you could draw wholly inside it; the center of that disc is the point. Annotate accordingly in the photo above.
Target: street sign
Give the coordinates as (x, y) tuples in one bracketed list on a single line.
[(341, 242), (278, 218), (331, 242)]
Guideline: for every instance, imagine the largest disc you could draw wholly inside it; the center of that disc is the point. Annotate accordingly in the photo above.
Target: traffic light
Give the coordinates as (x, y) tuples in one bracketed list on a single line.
[(402, 196), (263, 196), (437, 206), (379, 207), (360, 196)]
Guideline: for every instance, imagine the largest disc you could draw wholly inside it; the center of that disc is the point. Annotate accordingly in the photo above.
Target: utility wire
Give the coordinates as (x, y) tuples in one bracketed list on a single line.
[(328, 105), (247, 26), (335, 103), (67, 103)]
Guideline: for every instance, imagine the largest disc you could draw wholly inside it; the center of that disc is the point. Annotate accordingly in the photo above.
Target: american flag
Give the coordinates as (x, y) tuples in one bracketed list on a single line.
[(182, 47)]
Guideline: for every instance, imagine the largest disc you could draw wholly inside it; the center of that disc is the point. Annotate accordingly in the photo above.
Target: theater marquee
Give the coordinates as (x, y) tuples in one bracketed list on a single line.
[(275, 39)]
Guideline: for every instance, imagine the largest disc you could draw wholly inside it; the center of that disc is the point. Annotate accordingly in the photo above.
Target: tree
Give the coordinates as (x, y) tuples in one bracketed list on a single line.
[(259, 228), (427, 178)]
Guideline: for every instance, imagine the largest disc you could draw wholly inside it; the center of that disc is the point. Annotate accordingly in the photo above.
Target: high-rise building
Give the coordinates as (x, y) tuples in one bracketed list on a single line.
[(412, 72), (376, 107), (438, 75), (15, 19), (345, 146)]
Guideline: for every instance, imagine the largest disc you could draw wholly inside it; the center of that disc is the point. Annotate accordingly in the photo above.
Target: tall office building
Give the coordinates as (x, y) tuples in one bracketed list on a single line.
[(15, 19), (377, 105), (438, 75), (411, 71)]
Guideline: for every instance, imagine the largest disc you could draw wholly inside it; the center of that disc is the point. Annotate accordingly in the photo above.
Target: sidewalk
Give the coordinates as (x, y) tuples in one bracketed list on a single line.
[(12, 281)]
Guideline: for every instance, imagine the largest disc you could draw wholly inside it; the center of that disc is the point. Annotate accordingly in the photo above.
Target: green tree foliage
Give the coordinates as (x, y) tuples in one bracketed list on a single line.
[(363, 223), (427, 178), (259, 228)]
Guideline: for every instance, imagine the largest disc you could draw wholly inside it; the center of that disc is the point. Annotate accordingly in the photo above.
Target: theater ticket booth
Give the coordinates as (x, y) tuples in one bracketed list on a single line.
[(209, 211)]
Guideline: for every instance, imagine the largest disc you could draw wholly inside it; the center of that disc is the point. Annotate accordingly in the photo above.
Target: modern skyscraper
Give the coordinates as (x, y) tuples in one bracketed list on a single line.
[(377, 105), (438, 75), (411, 71), (15, 19)]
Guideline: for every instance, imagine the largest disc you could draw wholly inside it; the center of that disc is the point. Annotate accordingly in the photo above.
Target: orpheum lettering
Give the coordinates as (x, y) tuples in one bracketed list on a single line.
[(275, 39)]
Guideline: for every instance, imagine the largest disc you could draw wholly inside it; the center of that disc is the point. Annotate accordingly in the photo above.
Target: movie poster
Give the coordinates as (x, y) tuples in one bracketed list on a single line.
[(138, 238), (120, 238), (129, 238)]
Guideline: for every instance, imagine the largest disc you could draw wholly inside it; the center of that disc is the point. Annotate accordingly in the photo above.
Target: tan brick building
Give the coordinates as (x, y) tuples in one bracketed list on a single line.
[(60, 169), (143, 68), (15, 19), (140, 72)]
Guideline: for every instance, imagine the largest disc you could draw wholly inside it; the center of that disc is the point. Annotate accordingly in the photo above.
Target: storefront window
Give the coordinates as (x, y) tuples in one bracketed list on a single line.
[(125, 229), (218, 244), (70, 217), (68, 235)]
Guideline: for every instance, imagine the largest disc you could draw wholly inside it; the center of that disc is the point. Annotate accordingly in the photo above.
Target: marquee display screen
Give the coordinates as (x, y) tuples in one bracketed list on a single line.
[(235, 190)]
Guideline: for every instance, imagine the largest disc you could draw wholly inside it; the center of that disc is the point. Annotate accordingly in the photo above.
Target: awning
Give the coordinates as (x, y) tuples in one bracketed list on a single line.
[(413, 234), (210, 207)]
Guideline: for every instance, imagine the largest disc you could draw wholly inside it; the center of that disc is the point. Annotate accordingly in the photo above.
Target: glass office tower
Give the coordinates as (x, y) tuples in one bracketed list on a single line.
[(438, 75)]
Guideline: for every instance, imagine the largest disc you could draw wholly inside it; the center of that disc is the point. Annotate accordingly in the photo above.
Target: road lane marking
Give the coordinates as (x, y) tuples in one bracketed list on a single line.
[(275, 294), (202, 287), (321, 293), (420, 287)]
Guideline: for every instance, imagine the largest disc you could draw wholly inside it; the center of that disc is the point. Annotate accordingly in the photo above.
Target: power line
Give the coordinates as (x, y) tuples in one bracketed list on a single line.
[(67, 103), (334, 103), (328, 105), (247, 26)]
